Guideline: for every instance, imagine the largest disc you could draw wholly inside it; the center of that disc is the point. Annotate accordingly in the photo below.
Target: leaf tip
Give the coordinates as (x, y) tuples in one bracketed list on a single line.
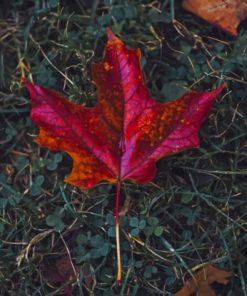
[(23, 80), (111, 37), (218, 90), (28, 85), (110, 34)]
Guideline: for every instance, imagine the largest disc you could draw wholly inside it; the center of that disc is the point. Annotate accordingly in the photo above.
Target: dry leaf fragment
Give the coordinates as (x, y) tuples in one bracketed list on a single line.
[(225, 14), (200, 284), (60, 273)]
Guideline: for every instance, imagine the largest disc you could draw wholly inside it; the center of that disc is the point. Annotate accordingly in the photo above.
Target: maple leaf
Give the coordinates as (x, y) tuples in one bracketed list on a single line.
[(127, 131), (201, 281), (225, 14)]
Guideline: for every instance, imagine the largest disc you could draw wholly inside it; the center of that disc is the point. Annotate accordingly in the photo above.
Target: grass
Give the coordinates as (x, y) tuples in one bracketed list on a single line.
[(193, 213)]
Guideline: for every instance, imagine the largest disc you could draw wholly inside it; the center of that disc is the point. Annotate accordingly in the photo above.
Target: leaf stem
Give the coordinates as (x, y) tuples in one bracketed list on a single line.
[(119, 263)]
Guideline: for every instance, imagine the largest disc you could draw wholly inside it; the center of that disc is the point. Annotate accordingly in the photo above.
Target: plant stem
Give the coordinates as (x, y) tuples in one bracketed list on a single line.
[(119, 263)]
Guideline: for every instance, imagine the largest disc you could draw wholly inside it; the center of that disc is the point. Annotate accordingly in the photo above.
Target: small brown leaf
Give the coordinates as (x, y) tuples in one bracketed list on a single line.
[(225, 14), (66, 269), (201, 281), (61, 272)]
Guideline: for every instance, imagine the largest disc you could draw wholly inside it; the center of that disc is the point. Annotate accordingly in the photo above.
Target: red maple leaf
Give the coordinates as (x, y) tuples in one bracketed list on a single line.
[(123, 136)]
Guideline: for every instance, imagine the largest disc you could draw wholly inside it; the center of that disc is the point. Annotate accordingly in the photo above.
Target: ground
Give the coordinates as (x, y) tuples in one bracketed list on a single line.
[(194, 211)]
